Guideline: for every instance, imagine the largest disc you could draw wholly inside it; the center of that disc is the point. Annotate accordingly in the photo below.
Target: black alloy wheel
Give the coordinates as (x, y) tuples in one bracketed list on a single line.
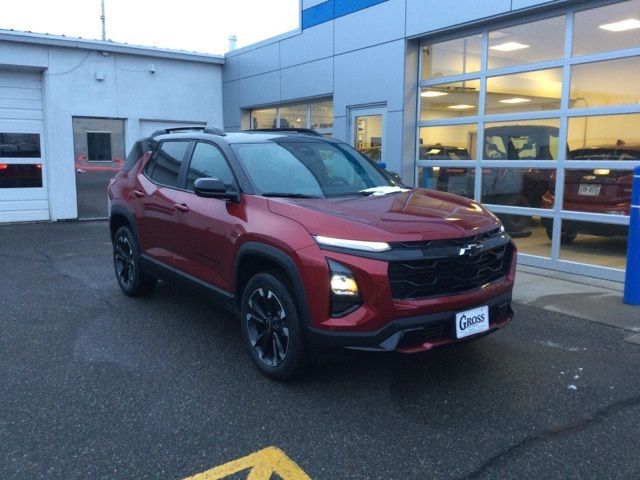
[(271, 326), (126, 260), (267, 327)]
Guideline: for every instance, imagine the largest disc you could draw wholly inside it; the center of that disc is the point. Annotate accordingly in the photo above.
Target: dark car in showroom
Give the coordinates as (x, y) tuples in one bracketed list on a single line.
[(598, 190), (310, 242), (522, 187)]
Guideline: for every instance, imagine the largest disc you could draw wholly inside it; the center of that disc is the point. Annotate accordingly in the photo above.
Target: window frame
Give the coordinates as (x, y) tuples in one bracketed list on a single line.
[(235, 183), (181, 173), (563, 114)]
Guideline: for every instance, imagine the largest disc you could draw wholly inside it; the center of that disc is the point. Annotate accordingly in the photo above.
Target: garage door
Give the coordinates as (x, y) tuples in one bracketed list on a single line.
[(147, 127), (23, 187)]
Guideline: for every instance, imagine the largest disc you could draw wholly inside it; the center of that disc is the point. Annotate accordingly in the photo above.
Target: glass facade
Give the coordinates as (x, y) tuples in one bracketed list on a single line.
[(315, 114), (541, 122)]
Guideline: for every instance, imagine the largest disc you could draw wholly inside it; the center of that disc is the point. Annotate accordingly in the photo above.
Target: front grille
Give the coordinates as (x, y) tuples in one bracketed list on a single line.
[(449, 273)]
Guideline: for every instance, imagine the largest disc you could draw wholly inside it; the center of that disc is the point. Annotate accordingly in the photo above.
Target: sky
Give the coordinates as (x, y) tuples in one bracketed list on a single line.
[(197, 25)]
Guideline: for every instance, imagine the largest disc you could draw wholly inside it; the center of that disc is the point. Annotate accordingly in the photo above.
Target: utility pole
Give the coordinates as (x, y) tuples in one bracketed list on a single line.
[(102, 19)]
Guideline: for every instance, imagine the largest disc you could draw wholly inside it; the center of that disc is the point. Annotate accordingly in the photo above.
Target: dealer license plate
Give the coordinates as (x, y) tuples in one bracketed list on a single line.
[(471, 322), (589, 189)]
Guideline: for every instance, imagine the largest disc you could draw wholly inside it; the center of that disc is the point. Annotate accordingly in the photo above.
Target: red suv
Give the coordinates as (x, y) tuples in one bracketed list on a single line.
[(310, 242)]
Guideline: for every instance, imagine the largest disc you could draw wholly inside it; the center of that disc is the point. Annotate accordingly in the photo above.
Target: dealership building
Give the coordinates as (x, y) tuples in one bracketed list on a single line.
[(532, 107)]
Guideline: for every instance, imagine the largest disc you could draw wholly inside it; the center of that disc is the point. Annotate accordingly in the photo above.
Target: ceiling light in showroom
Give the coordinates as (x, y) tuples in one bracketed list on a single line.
[(622, 25), (509, 46), (433, 93), (515, 100)]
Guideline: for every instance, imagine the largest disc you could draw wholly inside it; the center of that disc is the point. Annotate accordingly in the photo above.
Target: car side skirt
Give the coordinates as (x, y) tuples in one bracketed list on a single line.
[(169, 274)]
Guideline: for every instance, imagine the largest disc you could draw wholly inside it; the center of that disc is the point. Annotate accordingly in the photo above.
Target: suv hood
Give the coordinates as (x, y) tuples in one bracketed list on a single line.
[(418, 214)]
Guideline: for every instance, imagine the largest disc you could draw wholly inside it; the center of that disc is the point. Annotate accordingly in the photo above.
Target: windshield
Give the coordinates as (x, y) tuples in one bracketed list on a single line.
[(521, 143), (308, 169)]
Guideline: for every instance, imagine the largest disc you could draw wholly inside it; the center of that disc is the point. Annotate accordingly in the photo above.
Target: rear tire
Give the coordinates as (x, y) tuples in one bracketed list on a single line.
[(566, 237), (128, 268), (271, 327), (516, 225)]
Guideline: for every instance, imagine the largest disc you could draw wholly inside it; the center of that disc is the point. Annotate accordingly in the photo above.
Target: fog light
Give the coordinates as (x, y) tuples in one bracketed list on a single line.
[(344, 295), (343, 285)]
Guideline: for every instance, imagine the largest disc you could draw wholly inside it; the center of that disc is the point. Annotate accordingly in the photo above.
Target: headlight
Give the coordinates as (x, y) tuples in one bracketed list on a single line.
[(352, 244), (344, 295), (343, 285)]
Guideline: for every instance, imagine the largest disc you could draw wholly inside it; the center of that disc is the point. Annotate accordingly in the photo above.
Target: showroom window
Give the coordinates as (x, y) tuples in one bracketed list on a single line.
[(540, 120), (316, 114)]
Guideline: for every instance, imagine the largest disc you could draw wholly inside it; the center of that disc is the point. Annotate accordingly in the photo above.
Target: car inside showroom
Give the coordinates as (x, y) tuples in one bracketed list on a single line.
[(543, 116)]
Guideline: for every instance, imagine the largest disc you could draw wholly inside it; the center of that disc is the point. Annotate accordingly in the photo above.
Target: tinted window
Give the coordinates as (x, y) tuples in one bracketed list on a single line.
[(208, 162), (20, 175), (99, 146), (138, 150), (20, 145), (166, 167)]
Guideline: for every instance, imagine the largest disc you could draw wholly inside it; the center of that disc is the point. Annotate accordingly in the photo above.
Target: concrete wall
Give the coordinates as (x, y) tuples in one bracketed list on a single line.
[(177, 91), (359, 59)]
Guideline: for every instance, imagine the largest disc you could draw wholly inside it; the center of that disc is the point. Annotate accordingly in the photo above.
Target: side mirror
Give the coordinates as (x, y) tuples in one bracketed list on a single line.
[(214, 188)]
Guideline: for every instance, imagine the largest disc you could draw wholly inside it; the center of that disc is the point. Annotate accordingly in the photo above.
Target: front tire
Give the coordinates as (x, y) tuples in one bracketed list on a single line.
[(126, 261), (271, 327)]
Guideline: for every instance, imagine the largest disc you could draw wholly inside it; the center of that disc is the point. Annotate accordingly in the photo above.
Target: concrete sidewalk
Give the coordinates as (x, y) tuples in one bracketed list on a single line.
[(588, 298)]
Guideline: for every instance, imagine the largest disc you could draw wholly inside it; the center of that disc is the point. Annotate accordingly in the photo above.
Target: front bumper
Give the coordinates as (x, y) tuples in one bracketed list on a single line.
[(412, 334)]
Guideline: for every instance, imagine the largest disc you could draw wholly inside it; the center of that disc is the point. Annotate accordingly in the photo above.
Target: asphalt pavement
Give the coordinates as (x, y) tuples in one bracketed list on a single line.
[(94, 384)]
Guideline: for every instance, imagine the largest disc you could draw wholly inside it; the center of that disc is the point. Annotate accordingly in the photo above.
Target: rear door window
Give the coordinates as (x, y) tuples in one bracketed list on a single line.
[(165, 166)]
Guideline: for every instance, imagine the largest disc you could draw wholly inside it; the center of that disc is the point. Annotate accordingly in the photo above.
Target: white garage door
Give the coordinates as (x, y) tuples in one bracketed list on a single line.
[(23, 186), (147, 127)]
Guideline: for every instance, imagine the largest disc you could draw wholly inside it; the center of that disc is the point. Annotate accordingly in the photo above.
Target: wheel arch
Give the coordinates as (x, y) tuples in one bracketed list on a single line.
[(255, 257), (121, 217)]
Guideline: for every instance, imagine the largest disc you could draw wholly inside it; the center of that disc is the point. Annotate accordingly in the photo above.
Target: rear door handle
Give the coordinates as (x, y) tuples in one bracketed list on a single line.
[(137, 193), (183, 207)]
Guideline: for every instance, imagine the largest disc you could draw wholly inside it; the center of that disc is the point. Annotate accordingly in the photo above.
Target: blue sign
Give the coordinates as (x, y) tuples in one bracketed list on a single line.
[(331, 9)]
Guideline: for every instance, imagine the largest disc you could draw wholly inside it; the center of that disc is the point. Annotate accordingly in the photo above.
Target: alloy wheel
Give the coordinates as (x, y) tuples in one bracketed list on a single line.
[(124, 261), (266, 321)]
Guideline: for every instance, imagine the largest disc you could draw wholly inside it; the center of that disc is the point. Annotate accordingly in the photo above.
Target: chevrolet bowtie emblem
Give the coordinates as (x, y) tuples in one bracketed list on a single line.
[(471, 249)]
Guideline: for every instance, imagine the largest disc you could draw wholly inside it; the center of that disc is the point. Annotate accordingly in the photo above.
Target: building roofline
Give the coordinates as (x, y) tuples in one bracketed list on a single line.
[(106, 46), (265, 42)]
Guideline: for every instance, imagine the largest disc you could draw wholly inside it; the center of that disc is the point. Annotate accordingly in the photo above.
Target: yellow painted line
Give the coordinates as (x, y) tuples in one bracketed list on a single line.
[(260, 465)]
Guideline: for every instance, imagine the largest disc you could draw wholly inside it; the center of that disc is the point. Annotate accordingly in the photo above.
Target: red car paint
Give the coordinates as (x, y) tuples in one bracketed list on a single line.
[(201, 237)]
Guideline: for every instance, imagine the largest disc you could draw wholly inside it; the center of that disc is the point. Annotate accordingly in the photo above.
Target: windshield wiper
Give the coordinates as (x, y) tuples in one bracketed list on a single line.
[(288, 195), (382, 190)]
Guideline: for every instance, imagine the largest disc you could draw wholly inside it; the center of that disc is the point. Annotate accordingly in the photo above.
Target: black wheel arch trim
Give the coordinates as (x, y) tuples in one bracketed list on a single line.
[(283, 260), (126, 213)]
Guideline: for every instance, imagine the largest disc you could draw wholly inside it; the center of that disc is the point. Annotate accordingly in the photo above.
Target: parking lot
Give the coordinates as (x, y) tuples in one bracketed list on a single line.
[(94, 384)]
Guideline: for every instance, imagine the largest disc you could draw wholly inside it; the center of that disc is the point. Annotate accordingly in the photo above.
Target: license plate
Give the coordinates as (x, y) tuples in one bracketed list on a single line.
[(589, 189), (471, 322)]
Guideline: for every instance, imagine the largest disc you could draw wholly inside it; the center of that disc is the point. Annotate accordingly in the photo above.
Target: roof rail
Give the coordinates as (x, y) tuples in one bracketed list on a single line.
[(308, 131), (203, 129)]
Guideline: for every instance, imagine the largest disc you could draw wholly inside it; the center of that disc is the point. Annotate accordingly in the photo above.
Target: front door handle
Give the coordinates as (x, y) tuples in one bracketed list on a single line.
[(137, 193), (183, 207)]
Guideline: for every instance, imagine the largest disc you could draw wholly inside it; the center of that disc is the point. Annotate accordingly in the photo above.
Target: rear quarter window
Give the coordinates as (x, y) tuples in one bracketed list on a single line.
[(137, 151)]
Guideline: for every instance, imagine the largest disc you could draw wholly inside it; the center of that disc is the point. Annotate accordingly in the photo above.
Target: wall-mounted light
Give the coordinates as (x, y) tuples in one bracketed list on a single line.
[(99, 76), (152, 69)]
